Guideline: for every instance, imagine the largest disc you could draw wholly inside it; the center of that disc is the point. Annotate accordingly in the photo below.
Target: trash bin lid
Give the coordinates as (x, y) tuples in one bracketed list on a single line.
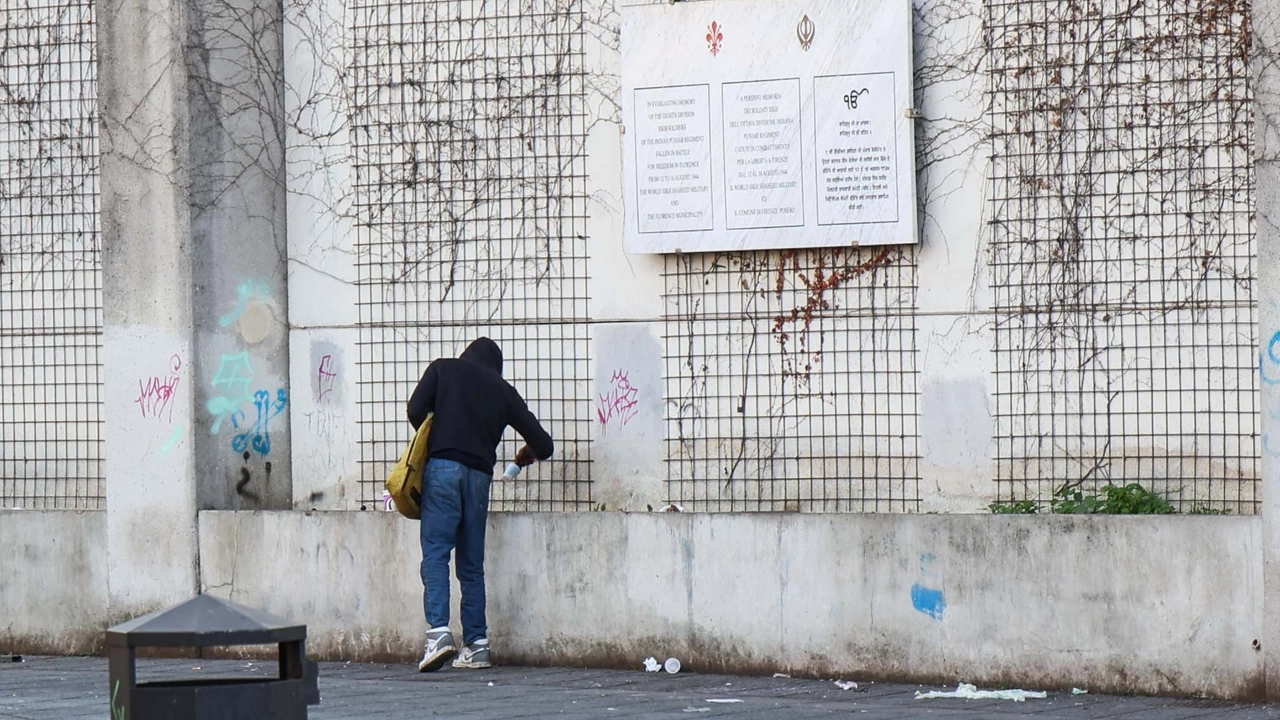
[(205, 621)]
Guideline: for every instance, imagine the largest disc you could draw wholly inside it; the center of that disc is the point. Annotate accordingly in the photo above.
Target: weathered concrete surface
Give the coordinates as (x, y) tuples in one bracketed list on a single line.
[(1265, 81), (235, 85), (322, 404), (53, 581), (351, 576), (146, 294), (629, 449), (1142, 604)]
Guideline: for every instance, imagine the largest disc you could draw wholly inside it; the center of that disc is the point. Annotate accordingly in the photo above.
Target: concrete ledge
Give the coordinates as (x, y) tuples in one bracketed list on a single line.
[(53, 581), (1125, 604)]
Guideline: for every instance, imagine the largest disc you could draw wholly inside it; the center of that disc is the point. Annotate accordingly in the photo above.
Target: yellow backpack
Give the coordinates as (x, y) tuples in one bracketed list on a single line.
[(404, 484)]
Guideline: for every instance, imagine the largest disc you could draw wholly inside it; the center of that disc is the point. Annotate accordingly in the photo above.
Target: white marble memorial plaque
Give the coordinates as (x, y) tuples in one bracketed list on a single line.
[(673, 158), (762, 155), (856, 168), (755, 124)]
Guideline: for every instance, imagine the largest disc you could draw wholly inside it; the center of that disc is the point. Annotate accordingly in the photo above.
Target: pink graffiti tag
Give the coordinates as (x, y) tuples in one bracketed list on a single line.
[(327, 376), (620, 403), (155, 394)]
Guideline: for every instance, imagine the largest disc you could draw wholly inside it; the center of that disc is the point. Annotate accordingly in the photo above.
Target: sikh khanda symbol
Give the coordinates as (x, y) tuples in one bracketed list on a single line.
[(852, 98), (805, 31)]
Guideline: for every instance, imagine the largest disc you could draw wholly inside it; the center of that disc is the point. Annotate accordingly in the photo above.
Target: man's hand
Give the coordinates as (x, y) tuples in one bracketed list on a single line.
[(525, 458)]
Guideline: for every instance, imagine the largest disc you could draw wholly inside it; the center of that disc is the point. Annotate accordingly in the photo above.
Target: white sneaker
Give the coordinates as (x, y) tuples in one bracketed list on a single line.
[(440, 648), (474, 656)]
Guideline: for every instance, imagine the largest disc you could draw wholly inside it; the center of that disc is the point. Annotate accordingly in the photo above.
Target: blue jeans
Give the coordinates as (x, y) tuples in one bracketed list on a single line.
[(455, 504)]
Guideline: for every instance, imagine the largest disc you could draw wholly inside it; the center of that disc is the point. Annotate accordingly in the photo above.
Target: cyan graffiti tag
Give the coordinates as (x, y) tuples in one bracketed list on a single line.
[(235, 373), (259, 437), (246, 293)]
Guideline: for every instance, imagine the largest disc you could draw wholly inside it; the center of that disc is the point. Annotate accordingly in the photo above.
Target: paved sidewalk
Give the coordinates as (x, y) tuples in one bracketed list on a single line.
[(68, 688)]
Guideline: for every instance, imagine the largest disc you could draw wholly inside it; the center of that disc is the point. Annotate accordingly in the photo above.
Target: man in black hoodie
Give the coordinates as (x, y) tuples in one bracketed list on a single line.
[(473, 406)]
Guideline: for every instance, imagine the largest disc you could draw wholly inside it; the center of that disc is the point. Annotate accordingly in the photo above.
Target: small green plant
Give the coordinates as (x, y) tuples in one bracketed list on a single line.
[(1014, 507), (1132, 499), (116, 713)]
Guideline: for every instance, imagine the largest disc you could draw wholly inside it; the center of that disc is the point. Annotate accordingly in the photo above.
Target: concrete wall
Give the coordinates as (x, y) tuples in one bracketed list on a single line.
[(323, 349), (1266, 78), (626, 290), (1170, 605), (196, 303), (53, 581), (234, 56)]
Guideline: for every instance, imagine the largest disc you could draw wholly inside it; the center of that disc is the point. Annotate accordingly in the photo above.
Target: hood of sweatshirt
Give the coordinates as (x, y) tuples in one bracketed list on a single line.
[(485, 353)]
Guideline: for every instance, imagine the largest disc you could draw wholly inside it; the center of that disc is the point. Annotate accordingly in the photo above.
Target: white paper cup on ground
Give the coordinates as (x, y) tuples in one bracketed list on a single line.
[(672, 665)]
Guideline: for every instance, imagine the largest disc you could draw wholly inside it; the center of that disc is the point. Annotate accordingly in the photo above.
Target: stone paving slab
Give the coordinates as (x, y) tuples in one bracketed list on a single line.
[(62, 688)]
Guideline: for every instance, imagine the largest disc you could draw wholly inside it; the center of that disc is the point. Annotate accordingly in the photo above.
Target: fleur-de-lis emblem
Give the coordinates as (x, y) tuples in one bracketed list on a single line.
[(805, 31), (714, 38)]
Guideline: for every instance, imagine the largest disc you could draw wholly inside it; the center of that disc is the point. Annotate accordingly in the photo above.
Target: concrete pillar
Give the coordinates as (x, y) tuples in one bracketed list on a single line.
[(195, 342), (1266, 86), (147, 341), (235, 85)]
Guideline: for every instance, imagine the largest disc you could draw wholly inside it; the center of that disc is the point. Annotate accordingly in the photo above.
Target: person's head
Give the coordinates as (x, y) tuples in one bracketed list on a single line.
[(484, 352)]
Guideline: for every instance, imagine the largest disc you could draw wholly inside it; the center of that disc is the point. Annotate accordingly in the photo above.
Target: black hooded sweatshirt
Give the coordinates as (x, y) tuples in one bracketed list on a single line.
[(473, 407)]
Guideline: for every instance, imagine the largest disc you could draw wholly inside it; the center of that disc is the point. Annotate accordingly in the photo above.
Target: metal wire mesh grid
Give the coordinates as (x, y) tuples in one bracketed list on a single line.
[(791, 381), (50, 275), (469, 128), (1123, 256)]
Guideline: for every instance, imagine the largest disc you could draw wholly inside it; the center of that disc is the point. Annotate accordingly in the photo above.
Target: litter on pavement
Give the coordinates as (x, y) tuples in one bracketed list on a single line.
[(970, 692)]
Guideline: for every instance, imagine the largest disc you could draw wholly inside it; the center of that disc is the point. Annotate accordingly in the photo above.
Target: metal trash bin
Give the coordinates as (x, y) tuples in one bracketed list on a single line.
[(206, 621)]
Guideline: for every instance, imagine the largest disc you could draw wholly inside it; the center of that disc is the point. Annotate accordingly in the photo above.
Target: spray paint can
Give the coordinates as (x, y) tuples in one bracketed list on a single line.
[(511, 472)]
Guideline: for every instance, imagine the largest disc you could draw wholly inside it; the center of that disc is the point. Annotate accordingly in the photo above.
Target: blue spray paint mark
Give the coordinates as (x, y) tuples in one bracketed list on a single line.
[(259, 437), (1269, 361), (928, 601), (925, 599)]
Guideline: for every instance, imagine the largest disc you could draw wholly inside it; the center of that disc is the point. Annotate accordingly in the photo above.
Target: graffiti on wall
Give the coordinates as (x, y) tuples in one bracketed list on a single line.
[(1269, 361), (1269, 373), (250, 310), (235, 373), (238, 399), (326, 377), (242, 485), (926, 595), (618, 405), (234, 378), (258, 437), (325, 420), (156, 393)]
